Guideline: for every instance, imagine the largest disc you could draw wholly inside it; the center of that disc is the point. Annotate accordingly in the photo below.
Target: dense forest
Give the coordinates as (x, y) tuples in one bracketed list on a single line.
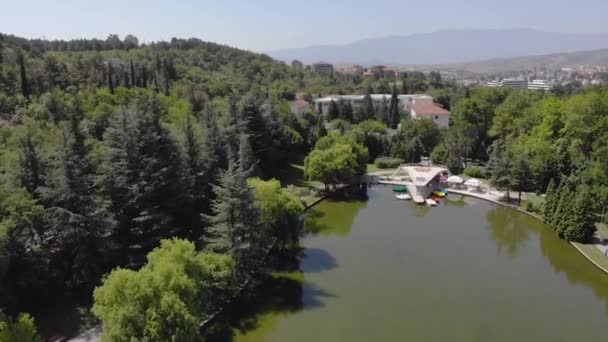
[(123, 165)]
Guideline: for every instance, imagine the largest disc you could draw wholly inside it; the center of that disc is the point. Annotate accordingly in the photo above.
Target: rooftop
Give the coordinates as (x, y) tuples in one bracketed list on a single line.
[(429, 108)]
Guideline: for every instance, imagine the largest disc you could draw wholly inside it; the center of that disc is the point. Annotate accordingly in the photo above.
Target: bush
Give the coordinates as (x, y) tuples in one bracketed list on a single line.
[(474, 171), (387, 162), (531, 207), (23, 329)]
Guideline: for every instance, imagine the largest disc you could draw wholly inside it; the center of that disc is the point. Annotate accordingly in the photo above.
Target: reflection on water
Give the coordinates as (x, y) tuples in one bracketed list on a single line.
[(389, 270), (323, 220), (455, 200), (510, 229), (258, 312)]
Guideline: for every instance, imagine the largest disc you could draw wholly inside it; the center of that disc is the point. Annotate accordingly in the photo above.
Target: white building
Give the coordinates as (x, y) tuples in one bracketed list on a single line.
[(515, 83), (405, 101), (431, 110), (539, 85)]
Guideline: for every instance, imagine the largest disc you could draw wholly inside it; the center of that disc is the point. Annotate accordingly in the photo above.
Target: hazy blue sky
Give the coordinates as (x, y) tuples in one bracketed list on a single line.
[(269, 24)]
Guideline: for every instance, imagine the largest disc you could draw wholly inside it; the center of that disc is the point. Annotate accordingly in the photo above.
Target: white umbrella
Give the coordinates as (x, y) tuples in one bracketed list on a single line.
[(455, 179), (473, 183)]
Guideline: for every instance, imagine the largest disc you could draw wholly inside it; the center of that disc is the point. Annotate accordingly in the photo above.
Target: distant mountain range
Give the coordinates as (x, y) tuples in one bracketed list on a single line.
[(528, 63), (447, 47)]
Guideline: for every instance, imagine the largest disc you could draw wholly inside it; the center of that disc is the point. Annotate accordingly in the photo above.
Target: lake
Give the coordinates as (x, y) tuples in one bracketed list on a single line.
[(466, 270)]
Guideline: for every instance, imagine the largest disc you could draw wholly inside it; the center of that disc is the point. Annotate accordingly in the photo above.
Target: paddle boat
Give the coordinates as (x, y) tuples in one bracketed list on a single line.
[(431, 202), (400, 188), (403, 196), (441, 193)]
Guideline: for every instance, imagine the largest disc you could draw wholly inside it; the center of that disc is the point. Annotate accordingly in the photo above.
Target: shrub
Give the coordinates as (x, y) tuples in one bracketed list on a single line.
[(387, 162), (474, 171), (531, 207), (23, 329)]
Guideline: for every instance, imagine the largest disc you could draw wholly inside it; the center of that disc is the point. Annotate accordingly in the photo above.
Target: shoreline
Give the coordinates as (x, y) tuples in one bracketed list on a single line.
[(576, 245)]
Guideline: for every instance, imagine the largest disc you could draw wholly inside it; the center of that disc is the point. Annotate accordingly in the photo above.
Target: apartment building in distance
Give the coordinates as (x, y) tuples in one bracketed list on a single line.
[(406, 101), (520, 83), (322, 68), (539, 85)]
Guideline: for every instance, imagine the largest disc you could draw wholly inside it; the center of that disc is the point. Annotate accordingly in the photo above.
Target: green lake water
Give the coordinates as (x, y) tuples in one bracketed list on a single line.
[(466, 270)]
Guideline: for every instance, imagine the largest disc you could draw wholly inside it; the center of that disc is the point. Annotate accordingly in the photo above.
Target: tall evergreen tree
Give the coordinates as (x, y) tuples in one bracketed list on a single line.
[(195, 167), (522, 175), (393, 112), (501, 165), (152, 173), (235, 227), (247, 160), (121, 165), (25, 91), (564, 214), (551, 198), (366, 110), (382, 111), (132, 69), (110, 77), (144, 76), (78, 223), (404, 86), (346, 111), (333, 112), (33, 167), (583, 224)]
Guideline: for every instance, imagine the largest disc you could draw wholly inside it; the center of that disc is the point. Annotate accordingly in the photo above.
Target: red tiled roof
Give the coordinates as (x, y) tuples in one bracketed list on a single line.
[(429, 108)]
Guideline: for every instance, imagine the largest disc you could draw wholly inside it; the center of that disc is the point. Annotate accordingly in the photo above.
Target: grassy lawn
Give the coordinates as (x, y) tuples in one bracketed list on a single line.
[(594, 254), (373, 168), (305, 189), (602, 230), (535, 199)]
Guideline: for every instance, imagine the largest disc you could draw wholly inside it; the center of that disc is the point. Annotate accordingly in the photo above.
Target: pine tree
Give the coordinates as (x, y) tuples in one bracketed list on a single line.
[(214, 146), (133, 80), (393, 112), (151, 185), (382, 112), (110, 78), (121, 165), (346, 111), (521, 175), (23, 75), (321, 131), (366, 110), (551, 198), (235, 227), (563, 218), (164, 185), (78, 223), (501, 166), (144, 76), (33, 167), (155, 79), (333, 112), (582, 226), (404, 87), (247, 160), (195, 167)]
